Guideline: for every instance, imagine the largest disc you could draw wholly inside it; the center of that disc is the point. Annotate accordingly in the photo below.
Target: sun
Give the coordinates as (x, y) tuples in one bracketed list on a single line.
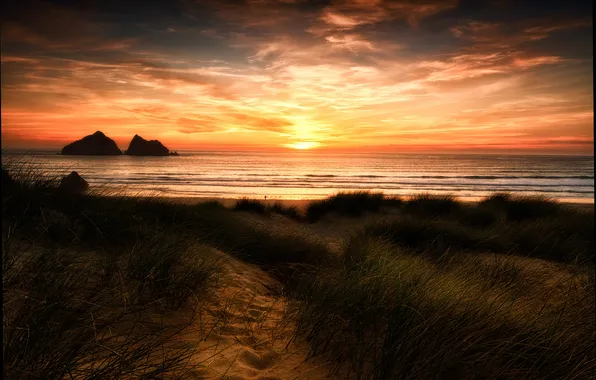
[(303, 145)]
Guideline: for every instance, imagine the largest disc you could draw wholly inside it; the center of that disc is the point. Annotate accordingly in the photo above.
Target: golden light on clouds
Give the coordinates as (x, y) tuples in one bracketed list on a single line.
[(349, 75)]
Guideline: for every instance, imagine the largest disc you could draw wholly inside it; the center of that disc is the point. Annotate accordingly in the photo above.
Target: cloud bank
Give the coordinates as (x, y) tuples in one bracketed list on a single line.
[(352, 74)]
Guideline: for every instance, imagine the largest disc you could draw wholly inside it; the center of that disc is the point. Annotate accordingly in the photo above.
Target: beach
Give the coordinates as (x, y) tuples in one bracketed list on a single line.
[(294, 289)]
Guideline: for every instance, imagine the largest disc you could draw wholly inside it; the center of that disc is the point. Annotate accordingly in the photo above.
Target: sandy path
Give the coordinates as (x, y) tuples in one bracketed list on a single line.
[(247, 336)]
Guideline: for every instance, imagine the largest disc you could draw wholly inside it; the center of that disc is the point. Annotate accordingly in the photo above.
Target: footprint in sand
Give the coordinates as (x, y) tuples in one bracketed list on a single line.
[(258, 361)]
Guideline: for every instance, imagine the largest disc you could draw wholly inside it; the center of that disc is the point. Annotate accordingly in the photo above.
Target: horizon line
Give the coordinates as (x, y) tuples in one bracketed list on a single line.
[(470, 152)]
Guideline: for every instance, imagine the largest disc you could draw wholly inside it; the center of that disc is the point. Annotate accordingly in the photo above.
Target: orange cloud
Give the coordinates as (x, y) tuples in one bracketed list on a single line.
[(324, 78)]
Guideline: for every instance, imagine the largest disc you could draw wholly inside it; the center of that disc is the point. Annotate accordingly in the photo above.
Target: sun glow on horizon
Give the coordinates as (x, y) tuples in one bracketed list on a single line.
[(303, 145)]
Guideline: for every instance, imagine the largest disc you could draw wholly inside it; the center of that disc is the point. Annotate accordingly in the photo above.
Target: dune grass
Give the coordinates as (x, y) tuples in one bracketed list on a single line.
[(84, 277), (436, 236), (291, 212), (429, 205), (71, 312), (352, 204), (250, 205), (416, 296), (540, 228), (387, 313), (258, 207), (521, 208), (440, 289)]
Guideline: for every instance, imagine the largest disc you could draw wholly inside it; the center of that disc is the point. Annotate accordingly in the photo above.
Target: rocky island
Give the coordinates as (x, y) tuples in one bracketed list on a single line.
[(73, 183), (141, 147), (96, 144)]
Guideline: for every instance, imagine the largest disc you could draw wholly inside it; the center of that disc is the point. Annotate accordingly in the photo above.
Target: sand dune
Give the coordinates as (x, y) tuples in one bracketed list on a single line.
[(248, 336)]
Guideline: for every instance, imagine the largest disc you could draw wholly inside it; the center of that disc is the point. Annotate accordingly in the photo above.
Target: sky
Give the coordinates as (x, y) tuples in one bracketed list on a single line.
[(481, 76)]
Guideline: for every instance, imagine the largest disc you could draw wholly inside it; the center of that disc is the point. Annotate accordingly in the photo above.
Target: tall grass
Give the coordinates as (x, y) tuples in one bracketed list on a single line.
[(86, 277), (429, 205), (74, 313), (291, 212), (522, 208), (553, 233), (351, 204), (250, 205), (83, 281), (436, 236), (386, 313), (255, 206)]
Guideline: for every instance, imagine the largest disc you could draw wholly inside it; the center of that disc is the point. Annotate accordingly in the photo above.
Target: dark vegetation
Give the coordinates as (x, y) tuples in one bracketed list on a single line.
[(527, 226), (427, 205), (82, 287), (251, 206), (385, 312), (440, 289), (288, 211), (84, 276), (353, 204), (258, 207), (443, 289)]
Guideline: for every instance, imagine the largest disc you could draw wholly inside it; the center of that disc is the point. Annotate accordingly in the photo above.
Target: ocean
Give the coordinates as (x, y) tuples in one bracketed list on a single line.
[(309, 175)]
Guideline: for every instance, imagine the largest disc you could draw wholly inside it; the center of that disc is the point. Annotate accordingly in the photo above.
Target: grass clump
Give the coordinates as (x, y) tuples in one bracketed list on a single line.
[(519, 209), (351, 204), (567, 238), (429, 205), (386, 313), (436, 236), (84, 278), (524, 208), (478, 217), (553, 233), (268, 248), (80, 314), (250, 205), (288, 211)]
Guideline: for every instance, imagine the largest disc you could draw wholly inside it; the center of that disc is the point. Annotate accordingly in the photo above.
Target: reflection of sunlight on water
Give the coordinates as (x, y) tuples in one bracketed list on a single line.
[(309, 174)]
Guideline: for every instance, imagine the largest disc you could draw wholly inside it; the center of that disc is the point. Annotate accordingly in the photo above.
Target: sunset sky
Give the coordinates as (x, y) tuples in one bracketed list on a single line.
[(396, 76)]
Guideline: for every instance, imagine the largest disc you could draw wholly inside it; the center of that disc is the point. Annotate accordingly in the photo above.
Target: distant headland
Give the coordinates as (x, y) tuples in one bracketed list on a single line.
[(98, 144)]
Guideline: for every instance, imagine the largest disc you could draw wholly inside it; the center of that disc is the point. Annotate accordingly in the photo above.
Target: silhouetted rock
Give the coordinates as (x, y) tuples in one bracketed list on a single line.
[(7, 182), (73, 183), (96, 144), (141, 147)]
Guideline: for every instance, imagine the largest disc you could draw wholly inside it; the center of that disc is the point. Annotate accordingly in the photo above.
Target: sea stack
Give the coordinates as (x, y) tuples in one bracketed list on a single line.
[(73, 183), (96, 144), (141, 147)]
